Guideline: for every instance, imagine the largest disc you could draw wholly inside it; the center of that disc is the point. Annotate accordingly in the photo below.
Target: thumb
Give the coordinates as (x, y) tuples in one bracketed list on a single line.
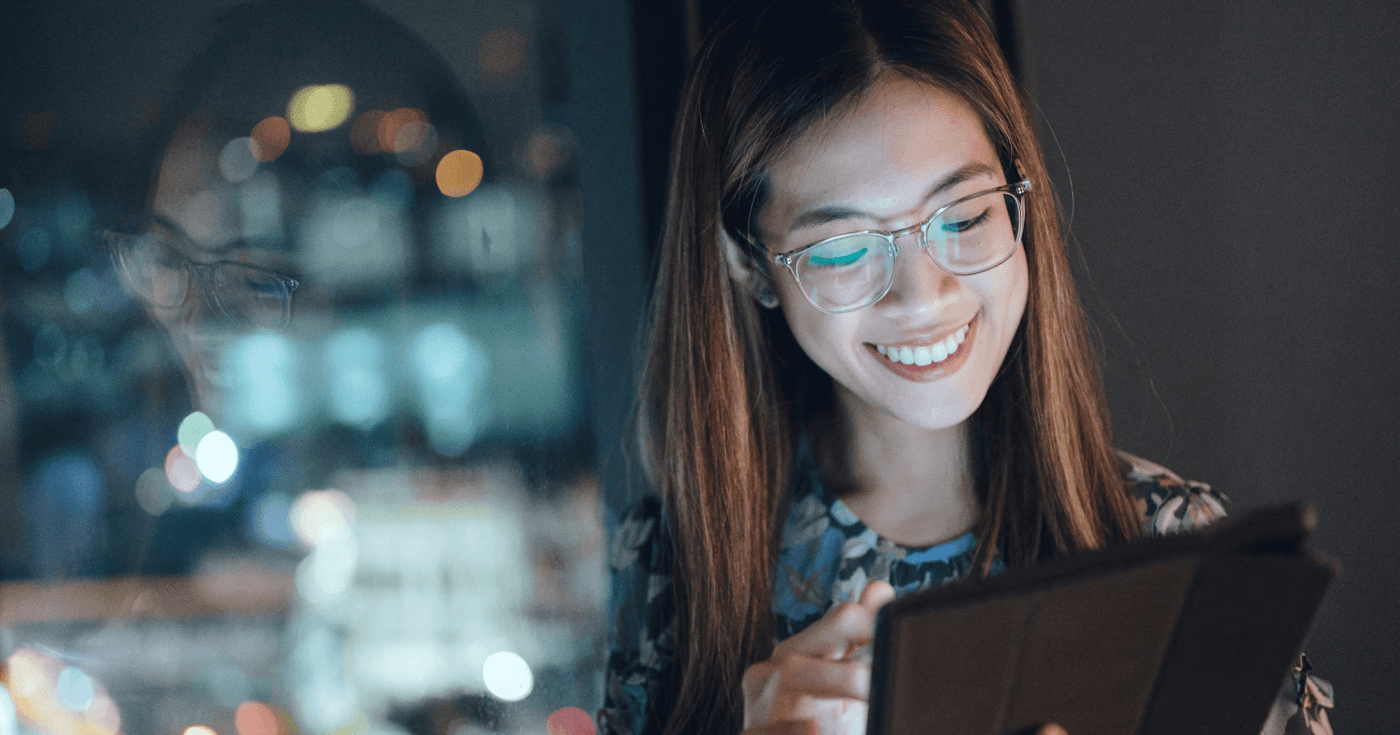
[(876, 594)]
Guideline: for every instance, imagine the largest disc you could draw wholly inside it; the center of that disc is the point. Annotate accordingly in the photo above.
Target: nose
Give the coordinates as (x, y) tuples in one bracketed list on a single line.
[(920, 287)]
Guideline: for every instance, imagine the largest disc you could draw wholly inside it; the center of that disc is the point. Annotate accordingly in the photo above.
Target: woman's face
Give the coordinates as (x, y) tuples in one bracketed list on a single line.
[(904, 151)]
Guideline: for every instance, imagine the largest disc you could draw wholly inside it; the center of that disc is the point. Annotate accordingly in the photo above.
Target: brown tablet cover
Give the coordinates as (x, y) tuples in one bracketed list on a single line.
[(1189, 634)]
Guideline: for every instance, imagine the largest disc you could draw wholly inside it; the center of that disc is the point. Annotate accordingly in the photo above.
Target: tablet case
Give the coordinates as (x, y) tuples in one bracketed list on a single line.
[(1167, 636)]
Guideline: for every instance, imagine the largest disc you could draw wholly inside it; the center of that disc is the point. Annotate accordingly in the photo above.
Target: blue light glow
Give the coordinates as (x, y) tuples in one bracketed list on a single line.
[(451, 370), (7, 207), (359, 392), (81, 291), (265, 399), (34, 247), (76, 689)]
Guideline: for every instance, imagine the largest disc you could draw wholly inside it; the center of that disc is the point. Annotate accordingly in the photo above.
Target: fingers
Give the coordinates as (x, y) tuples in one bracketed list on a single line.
[(846, 626), (876, 594), (807, 676)]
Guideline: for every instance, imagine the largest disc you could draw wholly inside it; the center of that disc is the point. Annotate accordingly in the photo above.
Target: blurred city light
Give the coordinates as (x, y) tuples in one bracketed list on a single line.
[(217, 457), (270, 138), (8, 719), (317, 516), (319, 107), (7, 207), (451, 369), (324, 576), (26, 674), (154, 492), (393, 123), (193, 428), (80, 292), (459, 173), (237, 161), (261, 204), (507, 676), (181, 470), (199, 730), (359, 390), (255, 718), (490, 233), (263, 367), (502, 52), (364, 132), (271, 517), (75, 688), (569, 721)]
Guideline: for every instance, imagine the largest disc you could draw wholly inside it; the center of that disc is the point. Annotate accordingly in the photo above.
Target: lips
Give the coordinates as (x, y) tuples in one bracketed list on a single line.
[(927, 359)]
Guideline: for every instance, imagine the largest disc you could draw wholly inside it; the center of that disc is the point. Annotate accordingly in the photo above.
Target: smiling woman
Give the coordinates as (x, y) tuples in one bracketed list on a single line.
[(867, 370)]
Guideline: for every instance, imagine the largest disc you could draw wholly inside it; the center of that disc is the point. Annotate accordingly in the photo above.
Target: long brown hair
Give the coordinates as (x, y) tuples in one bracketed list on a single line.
[(723, 380)]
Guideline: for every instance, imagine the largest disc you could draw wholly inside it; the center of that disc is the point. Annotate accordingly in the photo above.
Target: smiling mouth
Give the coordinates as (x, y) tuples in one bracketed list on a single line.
[(925, 355)]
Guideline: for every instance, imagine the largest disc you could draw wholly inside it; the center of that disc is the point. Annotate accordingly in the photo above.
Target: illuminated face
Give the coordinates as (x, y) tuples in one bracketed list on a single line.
[(902, 153)]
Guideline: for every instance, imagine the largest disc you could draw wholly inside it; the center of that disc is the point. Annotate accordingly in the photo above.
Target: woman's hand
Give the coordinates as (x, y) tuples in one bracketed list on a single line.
[(813, 683)]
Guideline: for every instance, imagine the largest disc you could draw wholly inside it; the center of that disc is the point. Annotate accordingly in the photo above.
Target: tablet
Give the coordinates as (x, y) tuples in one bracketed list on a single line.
[(1191, 633)]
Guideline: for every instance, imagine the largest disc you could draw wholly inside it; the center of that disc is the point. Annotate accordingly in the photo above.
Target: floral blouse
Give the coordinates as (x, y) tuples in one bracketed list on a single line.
[(826, 557)]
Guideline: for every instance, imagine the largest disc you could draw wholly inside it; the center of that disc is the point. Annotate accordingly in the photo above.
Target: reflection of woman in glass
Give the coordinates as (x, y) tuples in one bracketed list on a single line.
[(867, 371), (293, 185)]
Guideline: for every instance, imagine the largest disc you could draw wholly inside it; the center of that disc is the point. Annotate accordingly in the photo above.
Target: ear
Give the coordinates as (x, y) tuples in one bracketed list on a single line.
[(745, 272)]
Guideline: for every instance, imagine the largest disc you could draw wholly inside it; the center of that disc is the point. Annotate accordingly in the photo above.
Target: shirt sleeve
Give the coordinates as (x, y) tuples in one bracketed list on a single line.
[(641, 646), (1168, 505)]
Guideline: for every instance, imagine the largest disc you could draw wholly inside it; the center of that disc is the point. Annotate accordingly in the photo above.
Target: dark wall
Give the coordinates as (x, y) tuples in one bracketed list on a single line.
[(1233, 192)]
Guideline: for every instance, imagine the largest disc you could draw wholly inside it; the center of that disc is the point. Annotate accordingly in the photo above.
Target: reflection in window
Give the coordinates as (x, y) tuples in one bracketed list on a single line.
[(381, 518)]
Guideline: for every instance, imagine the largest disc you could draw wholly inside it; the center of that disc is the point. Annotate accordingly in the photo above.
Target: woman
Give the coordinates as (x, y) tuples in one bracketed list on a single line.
[(866, 363)]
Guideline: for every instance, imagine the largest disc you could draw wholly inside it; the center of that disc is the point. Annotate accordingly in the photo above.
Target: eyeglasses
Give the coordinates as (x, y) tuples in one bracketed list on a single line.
[(973, 234), (149, 259)]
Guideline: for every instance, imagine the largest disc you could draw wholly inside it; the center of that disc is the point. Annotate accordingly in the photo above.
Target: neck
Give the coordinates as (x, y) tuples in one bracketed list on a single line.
[(909, 484)]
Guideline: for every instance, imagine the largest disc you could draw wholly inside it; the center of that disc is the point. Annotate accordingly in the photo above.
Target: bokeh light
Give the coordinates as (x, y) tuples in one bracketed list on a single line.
[(75, 688), (326, 573), (393, 123), (364, 132), (569, 721), (27, 678), (320, 515), (181, 471), (451, 370), (270, 138), (216, 456), (255, 718), (7, 207), (154, 492), (81, 290), (264, 370), (359, 391), (502, 52), (193, 428), (199, 730), (8, 720), (507, 676), (459, 173), (271, 518), (320, 107), (237, 163)]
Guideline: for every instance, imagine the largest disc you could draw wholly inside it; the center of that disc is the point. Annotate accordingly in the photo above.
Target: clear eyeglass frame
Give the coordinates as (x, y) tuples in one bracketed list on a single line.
[(1017, 191), (145, 248)]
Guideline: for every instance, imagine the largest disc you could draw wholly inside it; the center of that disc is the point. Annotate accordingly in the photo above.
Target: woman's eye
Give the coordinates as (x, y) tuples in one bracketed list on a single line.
[(835, 259), (963, 225)]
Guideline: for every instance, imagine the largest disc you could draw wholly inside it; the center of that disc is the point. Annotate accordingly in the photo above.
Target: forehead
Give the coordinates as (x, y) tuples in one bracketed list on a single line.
[(901, 134)]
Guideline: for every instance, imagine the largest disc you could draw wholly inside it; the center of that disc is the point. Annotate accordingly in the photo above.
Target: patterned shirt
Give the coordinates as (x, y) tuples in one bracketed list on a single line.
[(826, 556)]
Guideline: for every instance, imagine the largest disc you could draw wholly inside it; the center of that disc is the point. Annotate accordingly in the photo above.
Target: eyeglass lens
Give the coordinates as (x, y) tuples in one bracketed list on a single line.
[(852, 271), (154, 271)]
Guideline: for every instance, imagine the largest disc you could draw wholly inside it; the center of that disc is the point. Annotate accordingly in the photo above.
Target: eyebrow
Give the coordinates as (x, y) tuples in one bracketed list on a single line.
[(830, 213)]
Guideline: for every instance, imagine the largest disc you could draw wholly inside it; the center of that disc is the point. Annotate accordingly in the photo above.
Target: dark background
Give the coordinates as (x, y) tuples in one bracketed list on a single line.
[(1229, 170)]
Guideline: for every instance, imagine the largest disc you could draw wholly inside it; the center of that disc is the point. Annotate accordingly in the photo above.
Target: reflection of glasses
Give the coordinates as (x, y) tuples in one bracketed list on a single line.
[(148, 257), (971, 235)]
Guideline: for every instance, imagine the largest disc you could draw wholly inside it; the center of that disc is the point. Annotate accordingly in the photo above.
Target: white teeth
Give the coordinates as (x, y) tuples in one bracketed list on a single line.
[(922, 356)]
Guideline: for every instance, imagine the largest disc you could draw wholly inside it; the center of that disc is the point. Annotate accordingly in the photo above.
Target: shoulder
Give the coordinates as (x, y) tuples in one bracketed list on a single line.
[(1167, 503), (639, 540)]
